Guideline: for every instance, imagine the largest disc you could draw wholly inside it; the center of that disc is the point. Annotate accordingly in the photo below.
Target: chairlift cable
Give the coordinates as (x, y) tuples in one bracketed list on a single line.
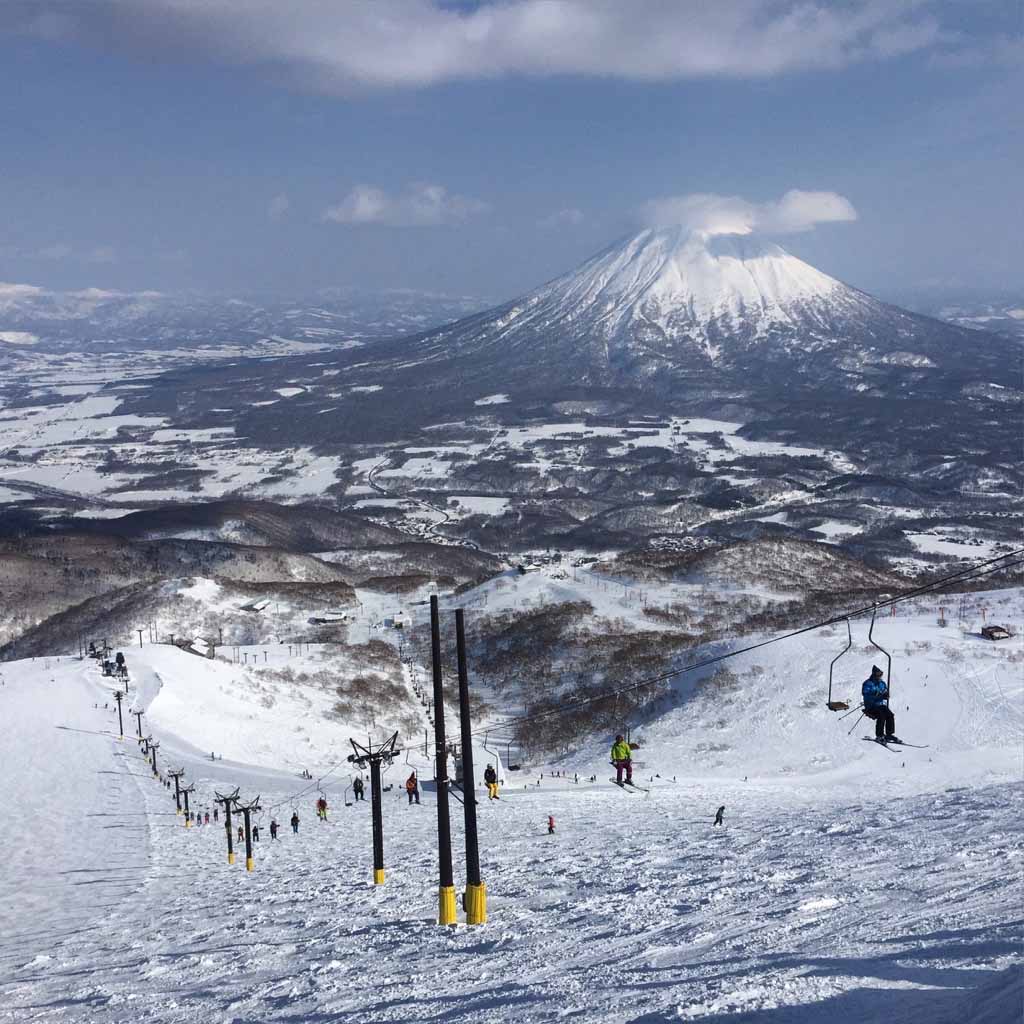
[(965, 575)]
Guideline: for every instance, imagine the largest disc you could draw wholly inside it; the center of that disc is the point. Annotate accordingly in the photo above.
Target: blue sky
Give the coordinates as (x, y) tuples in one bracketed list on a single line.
[(258, 146)]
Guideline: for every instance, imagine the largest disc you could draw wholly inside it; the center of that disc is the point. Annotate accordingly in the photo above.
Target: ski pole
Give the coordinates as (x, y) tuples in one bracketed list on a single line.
[(855, 724), (848, 713)]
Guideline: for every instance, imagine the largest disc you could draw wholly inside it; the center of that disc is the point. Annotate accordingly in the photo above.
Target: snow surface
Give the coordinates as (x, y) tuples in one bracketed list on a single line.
[(957, 542), (834, 530), (849, 882)]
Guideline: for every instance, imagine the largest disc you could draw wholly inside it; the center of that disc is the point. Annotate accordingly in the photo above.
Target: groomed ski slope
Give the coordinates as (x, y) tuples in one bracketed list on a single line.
[(849, 882)]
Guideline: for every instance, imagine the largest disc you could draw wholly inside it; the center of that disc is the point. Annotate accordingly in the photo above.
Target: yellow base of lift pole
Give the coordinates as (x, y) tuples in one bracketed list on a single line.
[(476, 904), (446, 905), (378, 876), (250, 863), (231, 858)]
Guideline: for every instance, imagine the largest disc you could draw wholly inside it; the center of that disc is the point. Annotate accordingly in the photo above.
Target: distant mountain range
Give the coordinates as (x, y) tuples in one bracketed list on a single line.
[(152, 320)]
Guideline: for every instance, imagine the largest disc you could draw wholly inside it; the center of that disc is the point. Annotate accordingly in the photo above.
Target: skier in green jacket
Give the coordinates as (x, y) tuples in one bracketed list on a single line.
[(622, 758)]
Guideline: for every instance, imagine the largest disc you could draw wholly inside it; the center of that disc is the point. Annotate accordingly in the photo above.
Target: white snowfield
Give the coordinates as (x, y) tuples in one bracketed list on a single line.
[(849, 882)]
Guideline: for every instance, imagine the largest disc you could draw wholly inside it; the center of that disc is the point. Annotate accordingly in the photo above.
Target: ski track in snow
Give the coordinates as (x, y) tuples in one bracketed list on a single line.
[(813, 903)]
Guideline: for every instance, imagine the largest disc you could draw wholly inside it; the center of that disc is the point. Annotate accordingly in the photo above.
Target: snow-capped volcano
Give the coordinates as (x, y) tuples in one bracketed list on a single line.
[(670, 300)]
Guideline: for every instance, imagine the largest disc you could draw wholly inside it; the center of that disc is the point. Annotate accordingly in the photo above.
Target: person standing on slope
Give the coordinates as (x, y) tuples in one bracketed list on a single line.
[(875, 692), (273, 828), (622, 758), (491, 781), (295, 822), (412, 787), (321, 809)]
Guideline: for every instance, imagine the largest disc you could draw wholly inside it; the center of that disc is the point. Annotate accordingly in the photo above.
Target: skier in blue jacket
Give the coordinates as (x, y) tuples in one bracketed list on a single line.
[(875, 691)]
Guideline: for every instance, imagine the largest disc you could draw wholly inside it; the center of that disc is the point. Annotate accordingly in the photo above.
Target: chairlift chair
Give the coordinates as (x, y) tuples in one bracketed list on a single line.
[(839, 705)]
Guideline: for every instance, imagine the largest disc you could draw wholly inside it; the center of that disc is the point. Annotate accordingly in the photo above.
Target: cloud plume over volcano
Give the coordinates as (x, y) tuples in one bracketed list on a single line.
[(712, 214)]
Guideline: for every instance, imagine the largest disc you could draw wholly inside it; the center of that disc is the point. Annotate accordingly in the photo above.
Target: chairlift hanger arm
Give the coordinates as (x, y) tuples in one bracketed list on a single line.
[(888, 656)]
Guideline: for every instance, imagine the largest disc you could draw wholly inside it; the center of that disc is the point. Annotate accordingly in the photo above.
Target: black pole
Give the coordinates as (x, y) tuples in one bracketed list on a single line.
[(139, 631), (138, 721), (153, 748), (120, 721), (246, 814), (177, 789), (476, 899), (378, 822), (188, 816), (227, 825), (446, 892)]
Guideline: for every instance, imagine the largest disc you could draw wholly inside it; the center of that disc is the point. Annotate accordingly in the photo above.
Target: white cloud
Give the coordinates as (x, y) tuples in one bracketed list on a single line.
[(569, 217), (714, 214), (420, 205), (336, 45), (278, 207)]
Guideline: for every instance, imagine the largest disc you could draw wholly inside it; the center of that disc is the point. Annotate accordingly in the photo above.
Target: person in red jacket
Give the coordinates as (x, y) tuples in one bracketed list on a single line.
[(321, 809)]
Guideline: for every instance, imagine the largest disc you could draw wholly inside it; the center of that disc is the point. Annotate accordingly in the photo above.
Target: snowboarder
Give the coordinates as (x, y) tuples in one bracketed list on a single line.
[(718, 815), (241, 833), (412, 787), (875, 692), (551, 824), (357, 789), (255, 833), (273, 829), (295, 822), (622, 758), (321, 809), (491, 780)]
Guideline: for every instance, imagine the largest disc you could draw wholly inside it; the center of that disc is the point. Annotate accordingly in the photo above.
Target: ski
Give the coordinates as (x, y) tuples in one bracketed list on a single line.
[(897, 743), (627, 786), (871, 739)]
